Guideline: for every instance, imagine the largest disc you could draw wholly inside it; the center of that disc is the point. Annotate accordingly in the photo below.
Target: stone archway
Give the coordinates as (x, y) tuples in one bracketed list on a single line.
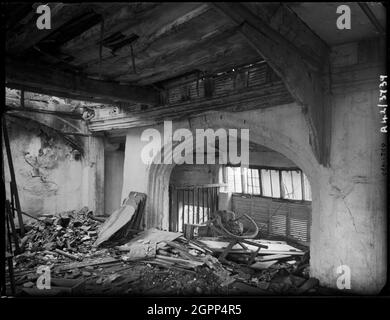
[(157, 207), (344, 228)]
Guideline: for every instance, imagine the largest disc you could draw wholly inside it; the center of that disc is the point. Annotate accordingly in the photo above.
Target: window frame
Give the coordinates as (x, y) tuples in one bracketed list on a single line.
[(261, 195)]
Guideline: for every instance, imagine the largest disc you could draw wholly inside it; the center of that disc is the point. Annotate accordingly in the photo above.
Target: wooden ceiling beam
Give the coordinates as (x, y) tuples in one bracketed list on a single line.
[(64, 84), (184, 32), (147, 25), (60, 14), (263, 96), (305, 79), (221, 51)]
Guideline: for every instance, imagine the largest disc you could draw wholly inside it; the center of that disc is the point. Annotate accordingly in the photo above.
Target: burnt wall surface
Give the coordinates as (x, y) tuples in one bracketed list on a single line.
[(48, 169)]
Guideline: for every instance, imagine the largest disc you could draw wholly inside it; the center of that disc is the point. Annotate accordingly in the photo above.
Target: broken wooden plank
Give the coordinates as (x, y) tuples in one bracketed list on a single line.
[(182, 251), (180, 261), (152, 235), (95, 262), (261, 265), (273, 248), (66, 254), (272, 257), (171, 266)]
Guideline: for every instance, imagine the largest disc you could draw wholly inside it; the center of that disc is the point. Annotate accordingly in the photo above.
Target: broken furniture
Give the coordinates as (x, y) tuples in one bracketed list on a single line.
[(228, 226)]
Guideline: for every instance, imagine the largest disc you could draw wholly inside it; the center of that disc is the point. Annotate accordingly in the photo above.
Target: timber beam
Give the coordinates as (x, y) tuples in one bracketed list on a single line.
[(61, 14), (305, 76), (39, 78)]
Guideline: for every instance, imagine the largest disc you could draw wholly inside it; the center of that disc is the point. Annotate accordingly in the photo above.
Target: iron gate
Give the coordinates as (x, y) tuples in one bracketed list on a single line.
[(192, 205)]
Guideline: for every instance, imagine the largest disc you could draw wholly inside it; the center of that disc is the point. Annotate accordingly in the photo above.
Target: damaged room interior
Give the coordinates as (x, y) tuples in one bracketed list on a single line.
[(86, 215)]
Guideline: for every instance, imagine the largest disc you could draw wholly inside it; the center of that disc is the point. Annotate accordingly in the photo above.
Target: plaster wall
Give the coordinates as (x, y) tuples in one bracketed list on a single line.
[(113, 180), (47, 171), (270, 159)]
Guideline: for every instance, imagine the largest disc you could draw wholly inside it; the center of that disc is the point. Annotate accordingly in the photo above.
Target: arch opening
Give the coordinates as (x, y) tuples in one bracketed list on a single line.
[(161, 178)]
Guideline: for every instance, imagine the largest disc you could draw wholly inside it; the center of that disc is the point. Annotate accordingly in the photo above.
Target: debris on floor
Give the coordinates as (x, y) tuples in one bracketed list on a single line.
[(152, 261), (58, 238)]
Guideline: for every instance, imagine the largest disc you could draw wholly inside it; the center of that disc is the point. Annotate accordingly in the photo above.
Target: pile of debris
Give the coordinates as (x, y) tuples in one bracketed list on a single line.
[(54, 238), (88, 255), (277, 270), (172, 251)]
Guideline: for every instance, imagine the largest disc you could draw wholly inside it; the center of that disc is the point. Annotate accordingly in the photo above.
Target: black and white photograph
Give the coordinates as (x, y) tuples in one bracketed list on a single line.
[(194, 149)]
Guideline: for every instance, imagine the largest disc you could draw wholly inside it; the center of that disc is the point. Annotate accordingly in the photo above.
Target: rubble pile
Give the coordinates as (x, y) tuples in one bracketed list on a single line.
[(59, 238), (153, 261), (171, 251)]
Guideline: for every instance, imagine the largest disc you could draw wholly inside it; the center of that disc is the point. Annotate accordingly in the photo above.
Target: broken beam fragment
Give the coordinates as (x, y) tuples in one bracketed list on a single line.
[(66, 84), (103, 261), (66, 254)]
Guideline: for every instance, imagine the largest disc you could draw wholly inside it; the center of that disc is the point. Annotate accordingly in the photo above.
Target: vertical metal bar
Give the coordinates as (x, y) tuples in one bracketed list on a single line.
[(213, 189), (248, 183), (302, 185), (170, 209), (212, 199), (234, 180), (253, 185), (203, 204), (207, 204), (216, 198), (292, 184), (197, 205), (270, 181), (177, 210), (260, 182), (182, 211), (3, 242), (193, 205), (14, 188), (12, 200), (281, 185), (188, 206), (12, 225), (243, 186)]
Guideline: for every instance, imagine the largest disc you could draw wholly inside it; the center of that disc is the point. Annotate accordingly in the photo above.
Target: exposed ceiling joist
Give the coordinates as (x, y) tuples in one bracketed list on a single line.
[(31, 35), (371, 16), (264, 96), (287, 23), (302, 75), (56, 82)]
